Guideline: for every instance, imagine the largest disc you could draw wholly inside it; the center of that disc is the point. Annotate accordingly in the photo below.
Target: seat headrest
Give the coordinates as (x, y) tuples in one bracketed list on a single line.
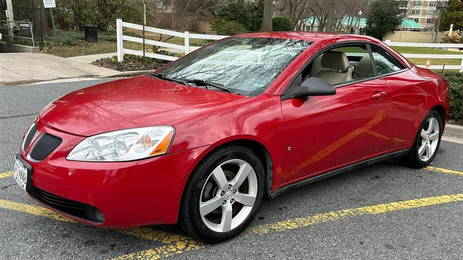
[(364, 67), (335, 60)]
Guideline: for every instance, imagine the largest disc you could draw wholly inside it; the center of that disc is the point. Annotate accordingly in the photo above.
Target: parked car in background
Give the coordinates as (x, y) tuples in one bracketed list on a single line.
[(205, 139)]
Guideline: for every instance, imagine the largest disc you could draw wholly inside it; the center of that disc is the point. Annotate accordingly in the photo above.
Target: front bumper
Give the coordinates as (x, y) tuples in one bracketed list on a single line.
[(128, 194)]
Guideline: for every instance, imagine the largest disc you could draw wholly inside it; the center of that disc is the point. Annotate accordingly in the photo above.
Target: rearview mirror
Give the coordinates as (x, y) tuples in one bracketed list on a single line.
[(311, 87)]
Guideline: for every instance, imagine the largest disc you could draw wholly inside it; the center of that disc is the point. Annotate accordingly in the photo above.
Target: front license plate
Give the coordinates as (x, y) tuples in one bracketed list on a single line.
[(22, 173)]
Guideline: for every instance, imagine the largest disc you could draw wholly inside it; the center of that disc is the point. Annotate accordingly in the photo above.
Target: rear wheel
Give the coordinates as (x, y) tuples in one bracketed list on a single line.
[(427, 141), (223, 195)]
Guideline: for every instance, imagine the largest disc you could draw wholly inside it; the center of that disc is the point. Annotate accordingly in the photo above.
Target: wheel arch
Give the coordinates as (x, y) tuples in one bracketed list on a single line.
[(441, 110), (251, 143), (264, 156)]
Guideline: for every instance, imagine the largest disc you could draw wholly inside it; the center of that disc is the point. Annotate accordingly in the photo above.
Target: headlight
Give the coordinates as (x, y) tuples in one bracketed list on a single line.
[(124, 145)]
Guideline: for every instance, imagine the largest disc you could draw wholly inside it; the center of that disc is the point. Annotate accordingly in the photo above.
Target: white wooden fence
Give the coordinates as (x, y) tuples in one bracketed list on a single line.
[(457, 55), (186, 48)]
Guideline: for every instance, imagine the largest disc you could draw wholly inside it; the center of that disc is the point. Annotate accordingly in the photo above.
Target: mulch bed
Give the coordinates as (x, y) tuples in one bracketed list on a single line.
[(130, 63)]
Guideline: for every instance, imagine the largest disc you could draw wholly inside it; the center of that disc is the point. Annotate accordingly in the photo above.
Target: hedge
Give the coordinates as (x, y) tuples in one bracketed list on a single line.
[(282, 23), (456, 94)]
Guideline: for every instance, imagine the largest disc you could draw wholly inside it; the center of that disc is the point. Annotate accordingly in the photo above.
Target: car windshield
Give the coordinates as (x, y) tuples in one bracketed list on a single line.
[(244, 66)]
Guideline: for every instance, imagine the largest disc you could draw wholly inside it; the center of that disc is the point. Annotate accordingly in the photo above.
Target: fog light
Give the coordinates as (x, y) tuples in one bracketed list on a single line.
[(94, 214)]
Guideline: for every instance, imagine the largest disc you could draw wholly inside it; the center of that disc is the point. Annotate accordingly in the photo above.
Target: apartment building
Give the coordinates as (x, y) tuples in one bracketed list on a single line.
[(424, 12)]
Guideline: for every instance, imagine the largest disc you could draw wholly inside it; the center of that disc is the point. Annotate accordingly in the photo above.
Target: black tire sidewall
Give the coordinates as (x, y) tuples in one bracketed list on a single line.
[(191, 220)]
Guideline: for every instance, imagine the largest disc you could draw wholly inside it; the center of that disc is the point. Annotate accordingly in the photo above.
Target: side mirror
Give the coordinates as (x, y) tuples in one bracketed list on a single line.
[(311, 87)]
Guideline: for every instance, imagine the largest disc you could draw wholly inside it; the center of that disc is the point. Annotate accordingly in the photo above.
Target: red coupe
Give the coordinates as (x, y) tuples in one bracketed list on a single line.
[(205, 139)]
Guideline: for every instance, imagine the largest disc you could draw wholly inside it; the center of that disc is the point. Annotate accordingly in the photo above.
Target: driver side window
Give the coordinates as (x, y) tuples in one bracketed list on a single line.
[(341, 65)]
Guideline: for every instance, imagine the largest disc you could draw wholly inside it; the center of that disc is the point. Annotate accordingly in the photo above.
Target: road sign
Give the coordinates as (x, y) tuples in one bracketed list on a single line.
[(49, 3)]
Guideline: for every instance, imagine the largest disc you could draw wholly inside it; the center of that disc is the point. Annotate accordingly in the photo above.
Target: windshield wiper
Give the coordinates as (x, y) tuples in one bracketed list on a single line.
[(163, 77), (208, 83)]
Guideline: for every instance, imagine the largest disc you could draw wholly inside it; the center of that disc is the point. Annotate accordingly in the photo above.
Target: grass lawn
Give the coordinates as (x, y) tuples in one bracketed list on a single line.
[(430, 51), (71, 44), (423, 50)]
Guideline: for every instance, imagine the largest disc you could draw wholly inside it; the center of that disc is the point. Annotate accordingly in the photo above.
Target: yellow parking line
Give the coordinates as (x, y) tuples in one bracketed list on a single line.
[(154, 235), (32, 210), (5, 174), (143, 233), (368, 210), (442, 170), (177, 248)]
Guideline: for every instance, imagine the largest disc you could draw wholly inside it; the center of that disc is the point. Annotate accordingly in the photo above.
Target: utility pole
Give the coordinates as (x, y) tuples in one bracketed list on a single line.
[(440, 7)]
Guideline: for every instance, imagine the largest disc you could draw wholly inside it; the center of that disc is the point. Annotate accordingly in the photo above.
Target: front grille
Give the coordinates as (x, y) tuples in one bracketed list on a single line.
[(44, 146), (29, 135), (73, 208)]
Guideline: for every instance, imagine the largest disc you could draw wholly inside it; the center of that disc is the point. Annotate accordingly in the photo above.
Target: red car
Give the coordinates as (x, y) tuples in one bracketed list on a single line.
[(206, 138)]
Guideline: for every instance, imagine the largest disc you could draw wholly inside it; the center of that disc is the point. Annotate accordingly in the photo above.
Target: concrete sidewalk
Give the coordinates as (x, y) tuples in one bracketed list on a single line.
[(453, 133), (21, 68)]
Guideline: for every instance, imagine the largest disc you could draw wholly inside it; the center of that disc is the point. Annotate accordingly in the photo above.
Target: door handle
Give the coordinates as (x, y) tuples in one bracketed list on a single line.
[(379, 95)]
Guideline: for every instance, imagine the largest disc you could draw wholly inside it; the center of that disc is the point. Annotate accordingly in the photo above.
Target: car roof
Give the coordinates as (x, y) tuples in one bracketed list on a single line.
[(308, 36)]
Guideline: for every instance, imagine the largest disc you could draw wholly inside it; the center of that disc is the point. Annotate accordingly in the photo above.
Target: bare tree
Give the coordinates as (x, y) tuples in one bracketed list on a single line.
[(179, 15), (326, 14), (295, 10)]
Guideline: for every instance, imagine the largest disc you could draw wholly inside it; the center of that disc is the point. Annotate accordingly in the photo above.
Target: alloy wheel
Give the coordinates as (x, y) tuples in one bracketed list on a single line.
[(429, 139), (228, 195)]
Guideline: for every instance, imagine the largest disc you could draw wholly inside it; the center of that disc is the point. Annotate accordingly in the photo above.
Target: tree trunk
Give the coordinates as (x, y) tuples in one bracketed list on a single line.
[(267, 19)]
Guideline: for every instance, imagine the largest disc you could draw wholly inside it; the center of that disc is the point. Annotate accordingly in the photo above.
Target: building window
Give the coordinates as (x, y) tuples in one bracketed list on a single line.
[(432, 3), (430, 12), (417, 3), (415, 11), (430, 20), (416, 19)]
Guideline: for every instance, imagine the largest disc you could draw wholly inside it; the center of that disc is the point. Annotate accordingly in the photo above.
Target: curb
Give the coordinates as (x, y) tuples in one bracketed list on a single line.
[(129, 73), (454, 127), (115, 75)]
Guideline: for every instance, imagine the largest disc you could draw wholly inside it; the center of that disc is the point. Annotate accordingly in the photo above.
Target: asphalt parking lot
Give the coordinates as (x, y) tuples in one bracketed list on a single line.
[(381, 211)]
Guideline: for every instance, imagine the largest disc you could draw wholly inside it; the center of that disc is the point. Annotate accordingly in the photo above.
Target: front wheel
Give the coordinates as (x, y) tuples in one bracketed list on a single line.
[(223, 195), (427, 141)]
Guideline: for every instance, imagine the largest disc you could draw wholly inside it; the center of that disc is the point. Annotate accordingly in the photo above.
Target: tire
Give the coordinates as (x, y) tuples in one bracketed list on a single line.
[(209, 200), (428, 138)]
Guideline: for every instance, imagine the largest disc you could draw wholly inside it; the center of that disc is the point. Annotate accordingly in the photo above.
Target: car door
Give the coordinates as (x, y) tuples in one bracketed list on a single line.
[(406, 100), (328, 132)]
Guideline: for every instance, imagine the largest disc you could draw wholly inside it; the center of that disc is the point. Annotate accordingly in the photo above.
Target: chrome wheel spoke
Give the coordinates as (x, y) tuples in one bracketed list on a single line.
[(210, 205), (243, 173), (219, 177), (227, 215), (424, 134), (245, 199), (430, 126), (428, 151), (422, 149), (434, 136)]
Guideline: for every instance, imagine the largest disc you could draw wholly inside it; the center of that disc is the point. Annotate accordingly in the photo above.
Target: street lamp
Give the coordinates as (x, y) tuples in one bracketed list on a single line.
[(358, 21), (440, 7)]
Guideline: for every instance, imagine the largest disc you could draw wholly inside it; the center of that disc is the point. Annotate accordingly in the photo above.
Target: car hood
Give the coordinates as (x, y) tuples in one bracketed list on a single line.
[(129, 103)]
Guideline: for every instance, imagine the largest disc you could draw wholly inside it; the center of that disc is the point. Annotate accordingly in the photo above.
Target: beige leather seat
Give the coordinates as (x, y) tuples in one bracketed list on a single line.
[(335, 68), (364, 68)]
